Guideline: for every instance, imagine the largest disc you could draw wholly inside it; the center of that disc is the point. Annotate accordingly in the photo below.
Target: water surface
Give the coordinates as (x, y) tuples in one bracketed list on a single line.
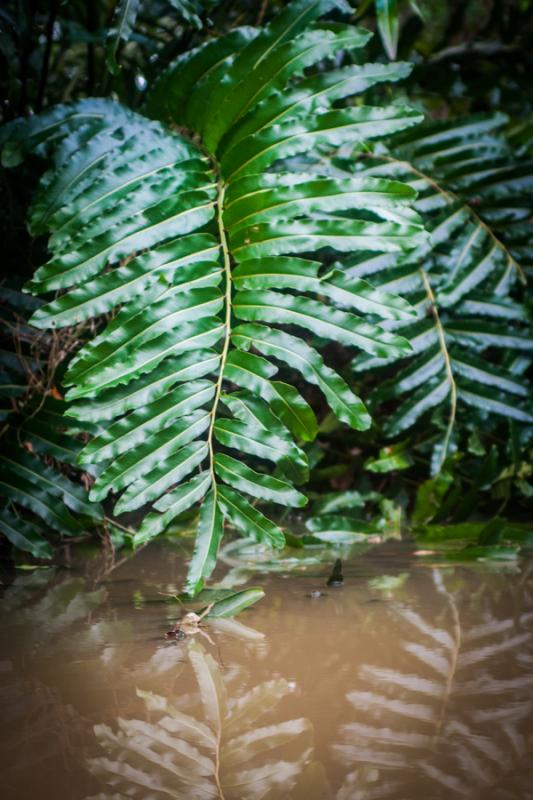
[(413, 680)]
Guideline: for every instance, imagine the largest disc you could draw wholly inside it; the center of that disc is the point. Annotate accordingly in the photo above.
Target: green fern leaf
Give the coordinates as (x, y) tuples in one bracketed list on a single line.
[(180, 237), (473, 194)]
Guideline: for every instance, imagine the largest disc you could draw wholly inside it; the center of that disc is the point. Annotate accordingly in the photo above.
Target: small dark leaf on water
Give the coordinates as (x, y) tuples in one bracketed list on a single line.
[(336, 578)]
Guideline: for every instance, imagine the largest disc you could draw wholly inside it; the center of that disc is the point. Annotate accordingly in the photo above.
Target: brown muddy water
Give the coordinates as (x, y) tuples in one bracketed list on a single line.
[(413, 680)]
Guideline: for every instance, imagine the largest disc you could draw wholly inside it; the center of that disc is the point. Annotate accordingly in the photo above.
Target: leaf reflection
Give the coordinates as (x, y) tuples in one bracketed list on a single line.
[(221, 755), (450, 714)]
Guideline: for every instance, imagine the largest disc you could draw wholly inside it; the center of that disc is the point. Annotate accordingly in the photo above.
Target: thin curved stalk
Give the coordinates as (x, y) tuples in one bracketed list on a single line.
[(512, 263), (227, 321), (447, 365)]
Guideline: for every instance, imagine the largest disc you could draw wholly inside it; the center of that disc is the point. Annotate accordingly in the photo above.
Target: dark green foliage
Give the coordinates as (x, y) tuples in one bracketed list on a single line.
[(39, 479), (172, 375), (231, 249), (472, 340)]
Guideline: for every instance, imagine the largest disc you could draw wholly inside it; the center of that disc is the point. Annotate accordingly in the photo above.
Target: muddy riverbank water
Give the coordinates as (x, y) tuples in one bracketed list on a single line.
[(412, 680)]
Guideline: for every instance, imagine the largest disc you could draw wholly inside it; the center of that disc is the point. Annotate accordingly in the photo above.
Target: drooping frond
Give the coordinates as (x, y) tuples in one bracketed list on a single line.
[(471, 340), (194, 259)]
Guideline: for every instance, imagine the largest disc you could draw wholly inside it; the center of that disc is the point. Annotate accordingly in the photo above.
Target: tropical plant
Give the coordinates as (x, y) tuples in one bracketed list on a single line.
[(167, 240), (40, 482), (471, 341), (125, 17)]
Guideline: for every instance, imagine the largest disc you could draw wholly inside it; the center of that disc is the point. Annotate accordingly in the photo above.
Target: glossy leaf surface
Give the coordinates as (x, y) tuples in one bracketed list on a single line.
[(214, 264)]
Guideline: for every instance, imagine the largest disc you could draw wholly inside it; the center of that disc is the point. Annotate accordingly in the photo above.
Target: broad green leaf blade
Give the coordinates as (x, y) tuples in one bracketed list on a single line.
[(137, 394), (236, 602), (37, 133), (261, 198), (304, 235), (248, 519), (136, 428), (152, 485), (490, 400), (285, 61), (202, 334), (388, 25), (128, 283), (144, 327), (293, 410), (283, 28), (423, 399), (24, 536), (169, 98), (335, 529), (171, 506), (314, 93), (135, 464), (51, 480), (259, 485), (252, 372), (257, 441), (333, 128), (208, 538), (280, 272), (324, 321), (300, 356), (19, 490), (340, 501)]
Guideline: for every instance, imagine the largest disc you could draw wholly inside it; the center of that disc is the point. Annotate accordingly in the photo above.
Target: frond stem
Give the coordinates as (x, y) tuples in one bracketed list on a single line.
[(447, 364), (221, 190), (455, 199)]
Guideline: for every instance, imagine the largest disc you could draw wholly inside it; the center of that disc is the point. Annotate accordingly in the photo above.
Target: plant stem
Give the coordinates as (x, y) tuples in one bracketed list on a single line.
[(46, 55), (91, 27), (26, 40), (447, 364), (227, 322), (110, 521)]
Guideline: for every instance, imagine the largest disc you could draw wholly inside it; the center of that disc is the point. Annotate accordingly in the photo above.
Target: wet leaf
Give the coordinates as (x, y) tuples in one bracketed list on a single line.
[(340, 530), (390, 459), (235, 602)]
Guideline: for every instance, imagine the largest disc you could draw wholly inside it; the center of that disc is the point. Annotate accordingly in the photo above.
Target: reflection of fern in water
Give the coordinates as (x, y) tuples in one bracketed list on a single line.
[(450, 717), (222, 756)]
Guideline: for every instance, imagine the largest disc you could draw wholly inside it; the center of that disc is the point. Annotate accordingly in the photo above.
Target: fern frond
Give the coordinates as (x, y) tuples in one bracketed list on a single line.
[(474, 197), (200, 251)]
